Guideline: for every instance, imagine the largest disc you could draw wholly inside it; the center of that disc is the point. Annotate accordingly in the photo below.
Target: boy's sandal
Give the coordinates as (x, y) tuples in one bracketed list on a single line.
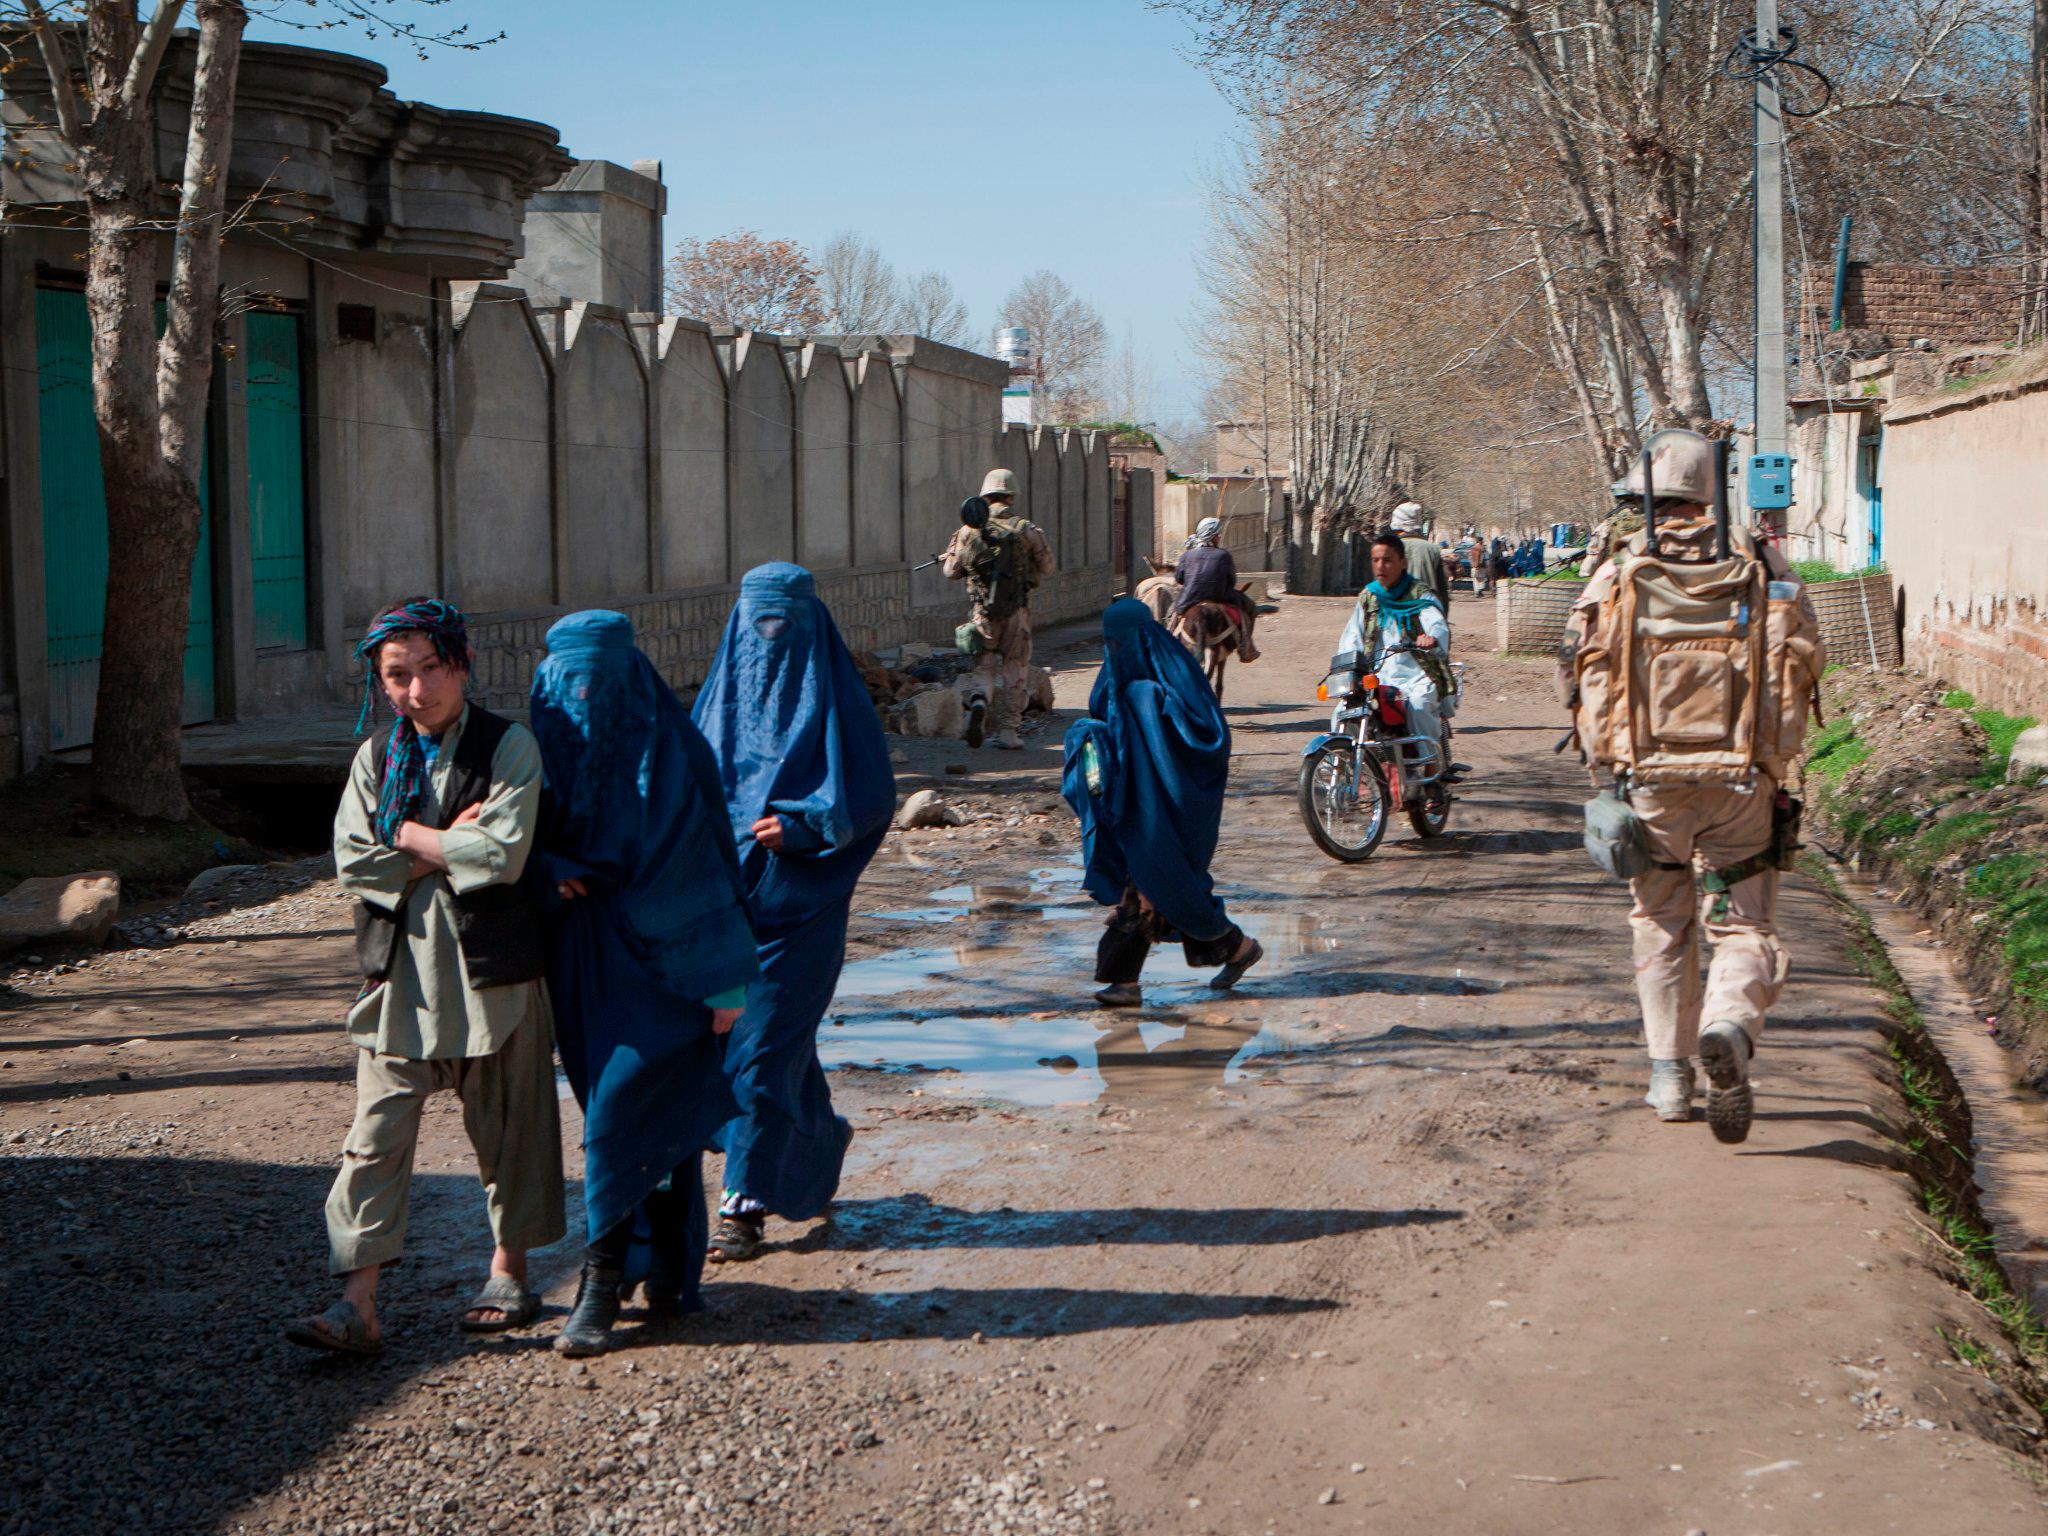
[(344, 1333), (737, 1239), (501, 1293)]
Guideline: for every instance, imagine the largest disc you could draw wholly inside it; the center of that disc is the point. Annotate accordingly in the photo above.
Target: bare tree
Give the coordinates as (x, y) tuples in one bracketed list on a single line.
[(1067, 340), (931, 308), (101, 65), (1130, 386), (743, 280), (1610, 144), (857, 287)]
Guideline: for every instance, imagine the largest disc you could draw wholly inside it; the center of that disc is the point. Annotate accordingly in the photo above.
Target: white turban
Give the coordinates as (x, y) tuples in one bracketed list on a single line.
[(1408, 517), (1208, 528)]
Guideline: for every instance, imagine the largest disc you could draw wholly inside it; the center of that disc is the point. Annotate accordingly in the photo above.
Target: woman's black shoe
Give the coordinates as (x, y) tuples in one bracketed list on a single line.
[(589, 1329)]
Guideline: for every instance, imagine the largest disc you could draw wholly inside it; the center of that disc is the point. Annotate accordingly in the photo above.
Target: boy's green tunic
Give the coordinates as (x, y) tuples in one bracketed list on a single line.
[(426, 1029), (426, 1008)]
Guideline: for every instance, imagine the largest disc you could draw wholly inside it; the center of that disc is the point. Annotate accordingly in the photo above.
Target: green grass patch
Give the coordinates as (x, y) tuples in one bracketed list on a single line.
[(1834, 750), (1966, 1349), (1947, 835), (2012, 890), (2000, 732), (1816, 573)]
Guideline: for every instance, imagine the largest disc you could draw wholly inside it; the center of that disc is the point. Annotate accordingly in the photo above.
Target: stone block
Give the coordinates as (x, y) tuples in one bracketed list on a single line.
[(934, 711), (927, 808), (2029, 755), (65, 909), (1041, 688)]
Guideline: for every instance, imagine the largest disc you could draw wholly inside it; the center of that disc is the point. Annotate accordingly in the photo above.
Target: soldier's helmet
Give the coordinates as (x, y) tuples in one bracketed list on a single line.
[(1000, 482), (1681, 466)]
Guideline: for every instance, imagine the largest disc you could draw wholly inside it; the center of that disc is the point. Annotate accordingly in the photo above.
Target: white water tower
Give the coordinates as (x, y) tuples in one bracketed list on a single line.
[(1020, 407)]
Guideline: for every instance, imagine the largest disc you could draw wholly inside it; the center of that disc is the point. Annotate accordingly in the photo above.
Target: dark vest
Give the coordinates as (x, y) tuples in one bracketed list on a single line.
[(498, 926)]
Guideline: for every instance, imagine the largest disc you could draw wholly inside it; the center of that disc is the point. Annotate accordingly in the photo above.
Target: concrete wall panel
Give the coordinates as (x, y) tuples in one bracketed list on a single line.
[(1072, 544), (374, 452), (1096, 499), (825, 517), (1043, 492), (604, 527), (878, 465), (501, 539), (693, 526), (763, 427)]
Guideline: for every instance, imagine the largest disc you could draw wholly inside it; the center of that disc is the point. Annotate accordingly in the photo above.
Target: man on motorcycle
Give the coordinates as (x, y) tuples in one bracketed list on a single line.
[(1397, 610)]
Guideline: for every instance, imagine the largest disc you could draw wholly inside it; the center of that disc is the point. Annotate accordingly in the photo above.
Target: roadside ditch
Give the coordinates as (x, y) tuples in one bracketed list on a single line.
[(1909, 800)]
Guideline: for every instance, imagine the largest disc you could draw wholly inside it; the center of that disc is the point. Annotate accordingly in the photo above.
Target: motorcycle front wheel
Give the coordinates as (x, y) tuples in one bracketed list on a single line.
[(1345, 824)]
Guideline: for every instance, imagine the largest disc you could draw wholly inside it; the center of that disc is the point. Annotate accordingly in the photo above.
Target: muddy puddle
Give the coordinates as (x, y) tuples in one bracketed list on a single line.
[(1002, 1007)]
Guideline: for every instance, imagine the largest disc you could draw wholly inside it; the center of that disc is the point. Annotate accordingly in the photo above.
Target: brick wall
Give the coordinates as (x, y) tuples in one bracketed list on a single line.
[(680, 631), (1950, 306)]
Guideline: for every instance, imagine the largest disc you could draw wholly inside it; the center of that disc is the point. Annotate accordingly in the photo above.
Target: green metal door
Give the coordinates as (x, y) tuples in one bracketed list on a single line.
[(75, 532), (277, 481)]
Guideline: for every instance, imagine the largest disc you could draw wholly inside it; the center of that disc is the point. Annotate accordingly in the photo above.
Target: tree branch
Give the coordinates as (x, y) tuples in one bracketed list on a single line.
[(51, 44), (156, 38)]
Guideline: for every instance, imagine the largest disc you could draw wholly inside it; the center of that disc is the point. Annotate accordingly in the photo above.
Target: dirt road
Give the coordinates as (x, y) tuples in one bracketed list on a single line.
[(1383, 1243)]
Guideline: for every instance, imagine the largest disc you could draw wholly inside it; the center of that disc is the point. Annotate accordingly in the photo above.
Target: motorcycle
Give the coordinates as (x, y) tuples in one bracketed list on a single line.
[(1368, 762)]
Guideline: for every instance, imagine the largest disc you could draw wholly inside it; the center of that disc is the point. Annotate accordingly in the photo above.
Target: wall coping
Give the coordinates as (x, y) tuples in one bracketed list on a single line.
[(2030, 373)]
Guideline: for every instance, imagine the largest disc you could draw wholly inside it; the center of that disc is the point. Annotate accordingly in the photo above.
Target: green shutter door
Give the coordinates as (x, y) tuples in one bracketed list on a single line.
[(75, 531), (277, 481)]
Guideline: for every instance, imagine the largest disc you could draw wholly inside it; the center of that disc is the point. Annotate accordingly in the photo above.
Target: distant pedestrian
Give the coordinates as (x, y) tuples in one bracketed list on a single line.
[(649, 960), (431, 838), (809, 793), (1425, 560), (1146, 773), (1002, 557)]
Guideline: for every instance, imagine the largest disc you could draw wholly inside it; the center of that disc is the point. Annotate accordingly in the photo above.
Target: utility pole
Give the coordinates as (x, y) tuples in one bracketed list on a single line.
[(1770, 468)]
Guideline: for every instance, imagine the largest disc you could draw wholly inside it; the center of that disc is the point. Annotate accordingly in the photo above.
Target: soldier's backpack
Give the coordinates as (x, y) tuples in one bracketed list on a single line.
[(1000, 570), (1699, 662)]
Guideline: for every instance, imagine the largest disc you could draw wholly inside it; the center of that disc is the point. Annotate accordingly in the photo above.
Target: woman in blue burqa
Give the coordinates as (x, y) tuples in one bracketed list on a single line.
[(810, 793), (1145, 773), (649, 957)]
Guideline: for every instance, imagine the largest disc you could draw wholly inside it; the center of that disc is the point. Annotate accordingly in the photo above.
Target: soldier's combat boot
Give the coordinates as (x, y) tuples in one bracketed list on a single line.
[(1725, 1051), (1671, 1085), (977, 722)]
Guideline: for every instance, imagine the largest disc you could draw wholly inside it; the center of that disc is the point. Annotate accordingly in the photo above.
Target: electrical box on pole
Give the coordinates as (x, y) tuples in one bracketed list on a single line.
[(1770, 469)]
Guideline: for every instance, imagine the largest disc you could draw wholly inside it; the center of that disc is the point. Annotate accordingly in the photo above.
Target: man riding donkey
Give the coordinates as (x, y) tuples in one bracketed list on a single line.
[(1207, 574), (1001, 557)]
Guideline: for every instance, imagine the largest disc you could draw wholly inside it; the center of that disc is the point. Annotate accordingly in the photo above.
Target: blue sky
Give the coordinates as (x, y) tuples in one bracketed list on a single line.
[(984, 140)]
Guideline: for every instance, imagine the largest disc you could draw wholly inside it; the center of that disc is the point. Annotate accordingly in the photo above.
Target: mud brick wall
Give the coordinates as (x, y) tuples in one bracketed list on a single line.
[(1950, 306)]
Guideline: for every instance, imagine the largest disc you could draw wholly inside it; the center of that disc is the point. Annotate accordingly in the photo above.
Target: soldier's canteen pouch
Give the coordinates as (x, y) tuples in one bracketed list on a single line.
[(967, 640), (1616, 838)]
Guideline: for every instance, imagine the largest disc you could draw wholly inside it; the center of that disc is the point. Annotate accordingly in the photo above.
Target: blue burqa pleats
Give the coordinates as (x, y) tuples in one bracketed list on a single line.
[(633, 809), (795, 736), (1162, 758)]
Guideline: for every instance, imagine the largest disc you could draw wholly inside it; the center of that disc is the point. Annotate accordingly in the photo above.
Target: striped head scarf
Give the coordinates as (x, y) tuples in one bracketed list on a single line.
[(404, 786)]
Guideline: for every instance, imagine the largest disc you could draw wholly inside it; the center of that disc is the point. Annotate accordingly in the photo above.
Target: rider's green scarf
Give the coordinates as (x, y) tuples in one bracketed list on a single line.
[(1403, 603)]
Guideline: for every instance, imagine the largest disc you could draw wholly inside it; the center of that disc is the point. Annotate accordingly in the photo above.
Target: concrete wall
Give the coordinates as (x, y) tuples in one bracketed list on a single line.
[(595, 233), (603, 533), (825, 459), (1965, 534), (501, 522), (692, 521), (524, 460), (761, 431), (1184, 503)]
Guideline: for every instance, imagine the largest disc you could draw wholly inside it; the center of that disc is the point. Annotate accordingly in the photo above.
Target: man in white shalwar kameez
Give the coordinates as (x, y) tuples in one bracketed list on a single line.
[(1395, 609)]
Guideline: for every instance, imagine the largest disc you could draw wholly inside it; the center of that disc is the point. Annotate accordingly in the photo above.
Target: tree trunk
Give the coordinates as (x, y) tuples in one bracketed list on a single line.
[(150, 401)]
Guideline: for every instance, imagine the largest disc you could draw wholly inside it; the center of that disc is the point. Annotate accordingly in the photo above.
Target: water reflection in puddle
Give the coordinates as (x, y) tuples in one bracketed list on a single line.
[(1006, 1011)]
